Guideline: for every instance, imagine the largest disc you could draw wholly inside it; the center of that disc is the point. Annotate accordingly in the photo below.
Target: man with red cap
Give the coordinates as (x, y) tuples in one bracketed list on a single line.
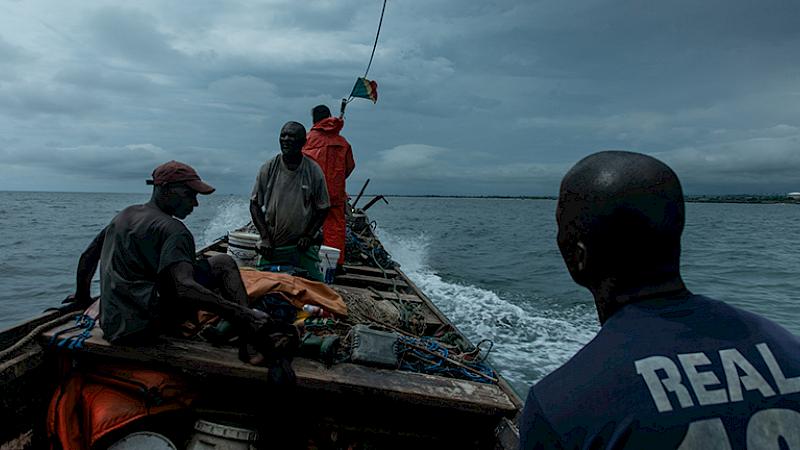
[(150, 278), (335, 156)]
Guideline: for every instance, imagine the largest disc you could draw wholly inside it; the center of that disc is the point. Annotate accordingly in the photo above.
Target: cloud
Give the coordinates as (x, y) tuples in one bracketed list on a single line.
[(412, 168), (499, 97), (762, 164), (131, 37)]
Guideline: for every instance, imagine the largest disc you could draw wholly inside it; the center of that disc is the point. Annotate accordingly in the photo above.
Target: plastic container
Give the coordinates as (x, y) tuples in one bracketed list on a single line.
[(316, 311), (143, 440), (328, 257), (210, 435), (242, 248)]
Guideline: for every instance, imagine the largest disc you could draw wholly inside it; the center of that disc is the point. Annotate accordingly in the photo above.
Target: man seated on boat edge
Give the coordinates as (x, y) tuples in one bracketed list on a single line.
[(668, 368), (150, 278), (289, 204)]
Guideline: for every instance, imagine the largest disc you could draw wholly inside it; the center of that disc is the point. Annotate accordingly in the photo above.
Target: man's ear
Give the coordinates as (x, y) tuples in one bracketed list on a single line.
[(581, 256)]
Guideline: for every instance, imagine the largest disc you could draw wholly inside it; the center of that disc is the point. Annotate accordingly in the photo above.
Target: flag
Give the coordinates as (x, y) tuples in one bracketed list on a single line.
[(365, 88)]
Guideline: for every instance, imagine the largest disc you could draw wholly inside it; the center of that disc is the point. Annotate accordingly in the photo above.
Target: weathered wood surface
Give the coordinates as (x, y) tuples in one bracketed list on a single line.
[(378, 295), (10, 336), (345, 378), (20, 365), (367, 270), (366, 280)]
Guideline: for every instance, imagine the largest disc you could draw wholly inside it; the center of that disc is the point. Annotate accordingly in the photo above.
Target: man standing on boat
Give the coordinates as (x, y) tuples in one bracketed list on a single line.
[(289, 204), (150, 278), (668, 369), (335, 156)]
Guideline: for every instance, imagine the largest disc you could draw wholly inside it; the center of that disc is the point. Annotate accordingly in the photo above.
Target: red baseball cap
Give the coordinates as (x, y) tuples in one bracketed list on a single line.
[(178, 172)]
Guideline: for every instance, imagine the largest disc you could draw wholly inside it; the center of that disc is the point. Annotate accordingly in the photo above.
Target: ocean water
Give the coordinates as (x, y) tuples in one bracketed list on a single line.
[(491, 265)]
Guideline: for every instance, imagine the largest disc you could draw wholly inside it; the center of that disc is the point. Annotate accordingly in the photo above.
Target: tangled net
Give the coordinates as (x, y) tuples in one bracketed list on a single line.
[(367, 250), (397, 316)]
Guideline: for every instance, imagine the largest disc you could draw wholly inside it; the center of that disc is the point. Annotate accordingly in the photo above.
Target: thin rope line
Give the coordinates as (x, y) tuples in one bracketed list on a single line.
[(375, 45)]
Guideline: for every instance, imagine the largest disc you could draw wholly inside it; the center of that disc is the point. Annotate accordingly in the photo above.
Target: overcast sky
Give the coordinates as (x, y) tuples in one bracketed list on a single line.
[(476, 97)]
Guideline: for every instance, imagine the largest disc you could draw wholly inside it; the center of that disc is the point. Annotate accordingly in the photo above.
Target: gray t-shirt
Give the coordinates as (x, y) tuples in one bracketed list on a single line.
[(290, 197), (140, 243)]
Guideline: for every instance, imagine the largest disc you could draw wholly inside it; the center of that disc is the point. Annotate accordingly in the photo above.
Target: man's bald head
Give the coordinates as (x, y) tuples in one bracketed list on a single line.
[(620, 216)]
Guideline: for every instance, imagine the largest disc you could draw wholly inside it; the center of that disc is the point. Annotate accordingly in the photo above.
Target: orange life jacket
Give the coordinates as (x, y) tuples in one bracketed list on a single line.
[(94, 402)]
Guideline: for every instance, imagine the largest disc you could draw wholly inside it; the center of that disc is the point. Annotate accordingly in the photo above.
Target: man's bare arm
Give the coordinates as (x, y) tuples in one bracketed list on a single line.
[(87, 266), (193, 294)]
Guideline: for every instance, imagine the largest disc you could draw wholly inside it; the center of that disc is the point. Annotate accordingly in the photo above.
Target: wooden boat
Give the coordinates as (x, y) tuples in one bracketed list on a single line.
[(345, 404)]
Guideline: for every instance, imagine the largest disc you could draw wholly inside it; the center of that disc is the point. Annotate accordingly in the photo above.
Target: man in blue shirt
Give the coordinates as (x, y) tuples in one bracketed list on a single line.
[(668, 369)]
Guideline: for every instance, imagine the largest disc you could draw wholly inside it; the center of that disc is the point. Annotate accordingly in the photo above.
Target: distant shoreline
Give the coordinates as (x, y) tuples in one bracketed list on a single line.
[(739, 198), (755, 199)]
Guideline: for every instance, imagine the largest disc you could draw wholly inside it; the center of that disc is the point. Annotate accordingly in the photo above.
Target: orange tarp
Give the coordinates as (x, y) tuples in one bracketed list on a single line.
[(298, 291)]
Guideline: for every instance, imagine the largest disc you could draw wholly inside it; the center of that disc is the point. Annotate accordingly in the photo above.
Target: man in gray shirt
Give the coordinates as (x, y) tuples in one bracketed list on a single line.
[(150, 277), (289, 203)]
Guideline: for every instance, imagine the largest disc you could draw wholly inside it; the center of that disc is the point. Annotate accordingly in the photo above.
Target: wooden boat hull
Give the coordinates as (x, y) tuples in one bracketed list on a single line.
[(346, 402)]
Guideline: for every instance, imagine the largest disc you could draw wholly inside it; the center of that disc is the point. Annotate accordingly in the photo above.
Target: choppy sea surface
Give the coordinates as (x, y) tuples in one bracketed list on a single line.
[(491, 265)]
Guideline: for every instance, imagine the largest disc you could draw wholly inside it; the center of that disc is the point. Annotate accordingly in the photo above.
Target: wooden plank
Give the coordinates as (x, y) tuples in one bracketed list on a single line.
[(21, 365), (507, 435), (11, 335), (344, 378), (368, 270), (379, 295), (365, 280)]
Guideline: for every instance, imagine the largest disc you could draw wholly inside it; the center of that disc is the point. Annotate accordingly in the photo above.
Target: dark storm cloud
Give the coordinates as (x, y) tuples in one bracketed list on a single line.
[(475, 97), (132, 37)]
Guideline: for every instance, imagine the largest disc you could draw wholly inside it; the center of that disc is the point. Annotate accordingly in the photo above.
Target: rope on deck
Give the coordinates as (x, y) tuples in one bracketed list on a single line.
[(35, 332)]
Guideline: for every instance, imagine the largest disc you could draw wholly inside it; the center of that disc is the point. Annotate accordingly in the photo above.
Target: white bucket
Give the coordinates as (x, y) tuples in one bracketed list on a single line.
[(210, 435), (242, 248), (328, 256)]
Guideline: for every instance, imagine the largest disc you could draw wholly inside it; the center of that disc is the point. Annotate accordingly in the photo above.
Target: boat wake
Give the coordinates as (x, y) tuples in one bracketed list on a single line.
[(532, 336), (530, 341)]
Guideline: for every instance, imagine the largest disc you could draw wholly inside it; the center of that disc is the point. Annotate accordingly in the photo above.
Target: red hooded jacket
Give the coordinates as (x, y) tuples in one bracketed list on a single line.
[(333, 154)]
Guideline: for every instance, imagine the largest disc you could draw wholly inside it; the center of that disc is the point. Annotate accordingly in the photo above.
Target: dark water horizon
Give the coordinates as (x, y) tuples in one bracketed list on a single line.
[(491, 265)]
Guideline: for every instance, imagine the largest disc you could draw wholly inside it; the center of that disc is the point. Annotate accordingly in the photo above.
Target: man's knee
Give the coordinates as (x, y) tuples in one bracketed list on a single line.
[(222, 264)]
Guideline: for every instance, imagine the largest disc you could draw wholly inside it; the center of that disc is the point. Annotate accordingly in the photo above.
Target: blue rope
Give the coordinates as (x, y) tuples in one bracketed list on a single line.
[(82, 322), (435, 363)]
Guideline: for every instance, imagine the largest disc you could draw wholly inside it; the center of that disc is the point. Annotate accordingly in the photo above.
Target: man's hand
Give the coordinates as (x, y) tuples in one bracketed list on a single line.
[(82, 300), (304, 243), (264, 248)]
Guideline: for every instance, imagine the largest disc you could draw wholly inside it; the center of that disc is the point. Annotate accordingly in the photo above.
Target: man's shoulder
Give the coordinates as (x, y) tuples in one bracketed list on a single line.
[(150, 217), (271, 162), (269, 166)]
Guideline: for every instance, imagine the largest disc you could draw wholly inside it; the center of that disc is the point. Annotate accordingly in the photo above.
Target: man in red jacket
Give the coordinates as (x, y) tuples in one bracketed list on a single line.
[(333, 154)]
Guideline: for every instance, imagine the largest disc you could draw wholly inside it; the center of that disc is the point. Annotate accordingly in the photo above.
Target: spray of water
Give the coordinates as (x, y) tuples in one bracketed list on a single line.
[(230, 215), (529, 343)]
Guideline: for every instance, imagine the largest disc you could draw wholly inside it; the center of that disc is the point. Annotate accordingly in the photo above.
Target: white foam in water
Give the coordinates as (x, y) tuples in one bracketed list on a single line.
[(230, 216), (527, 344), (529, 341)]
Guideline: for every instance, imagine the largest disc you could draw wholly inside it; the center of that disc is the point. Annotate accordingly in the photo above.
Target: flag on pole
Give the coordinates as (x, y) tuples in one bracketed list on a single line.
[(365, 88)]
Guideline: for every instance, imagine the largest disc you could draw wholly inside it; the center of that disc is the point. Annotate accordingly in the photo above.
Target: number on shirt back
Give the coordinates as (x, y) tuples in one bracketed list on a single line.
[(765, 430)]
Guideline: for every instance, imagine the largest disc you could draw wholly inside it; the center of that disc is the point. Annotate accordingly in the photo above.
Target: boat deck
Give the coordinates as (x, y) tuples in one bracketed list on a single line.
[(344, 378)]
